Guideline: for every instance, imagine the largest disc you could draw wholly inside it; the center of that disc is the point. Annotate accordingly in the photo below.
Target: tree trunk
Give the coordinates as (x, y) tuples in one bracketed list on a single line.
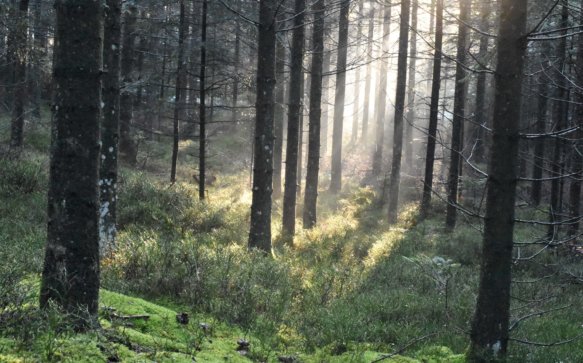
[(326, 100), (279, 116), (260, 231), (433, 113), (356, 111), (202, 106), (489, 334), (482, 86), (18, 54), (367, 83), (560, 116), (336, 177), (293, 124), (127, 146), (459, 108), (110, 125), (539, 147), (311, 196), (411, 106), (577, 162), (70, 275), (37, 55), (182, 26), (382, 96), (395, 179)]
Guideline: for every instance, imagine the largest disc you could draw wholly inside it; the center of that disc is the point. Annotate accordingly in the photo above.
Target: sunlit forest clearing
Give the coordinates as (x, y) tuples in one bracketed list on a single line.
[(291, 181)]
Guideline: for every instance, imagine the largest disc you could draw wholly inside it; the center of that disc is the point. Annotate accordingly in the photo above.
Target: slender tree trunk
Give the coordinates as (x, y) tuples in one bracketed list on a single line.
[(560, 111), (368, 80), (293, 123), (260, 231), (236, 61), (539, 147), (202, 108), (279, 116), (326, 100), (336, 177), (110, 125), (577, 162), (18, 54), (182, 26), (70, 275), (356, 111), (433, 113), (37, 55), (395, 179), (489, 334), (305, 81), (127, 146), (411, 106), (382, 96), (311, 196), (459, 114), (482, 85)]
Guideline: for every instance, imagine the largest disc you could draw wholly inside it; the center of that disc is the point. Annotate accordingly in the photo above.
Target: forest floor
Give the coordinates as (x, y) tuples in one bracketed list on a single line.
[(350, 290)]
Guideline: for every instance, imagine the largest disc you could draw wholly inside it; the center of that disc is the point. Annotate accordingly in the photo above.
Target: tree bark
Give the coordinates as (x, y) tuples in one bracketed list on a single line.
[(70, 275), (110, 125), (411, 106), (489, 334), (311, 195), (382, 96), (459, 109), (336, 177), (368, 79), (279, 116), (202, 106), (482, 86), (433, 113), (127, 146), (18, 55), (356, 111), (260, 231), (560, 116), (395, 179), (182, 28), (293, 124)]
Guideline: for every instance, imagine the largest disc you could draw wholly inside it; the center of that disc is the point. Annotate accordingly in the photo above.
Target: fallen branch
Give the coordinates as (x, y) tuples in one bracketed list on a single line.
[(403, 348)]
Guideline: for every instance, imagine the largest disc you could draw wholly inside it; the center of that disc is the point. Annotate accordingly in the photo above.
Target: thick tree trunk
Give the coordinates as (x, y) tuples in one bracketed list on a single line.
[(459, 113), (311, 196), (368, 101), (279, 116), (110, 125), (260, 231), (293, 124), (433, 113), (18, 55), (127, 146), (182, 28), (411, 106), (489, 334), (382, 96), (395, 179), (336, 177), (70, 275), (202, 106)]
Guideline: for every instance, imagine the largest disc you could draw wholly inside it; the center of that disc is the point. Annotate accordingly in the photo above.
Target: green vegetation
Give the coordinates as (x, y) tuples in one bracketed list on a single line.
[(348, 291)]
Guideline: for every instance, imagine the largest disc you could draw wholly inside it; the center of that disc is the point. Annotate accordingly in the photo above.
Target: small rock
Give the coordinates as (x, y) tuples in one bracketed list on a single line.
[(286, 359), (205, 327), (243, 345), (182, 318)]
